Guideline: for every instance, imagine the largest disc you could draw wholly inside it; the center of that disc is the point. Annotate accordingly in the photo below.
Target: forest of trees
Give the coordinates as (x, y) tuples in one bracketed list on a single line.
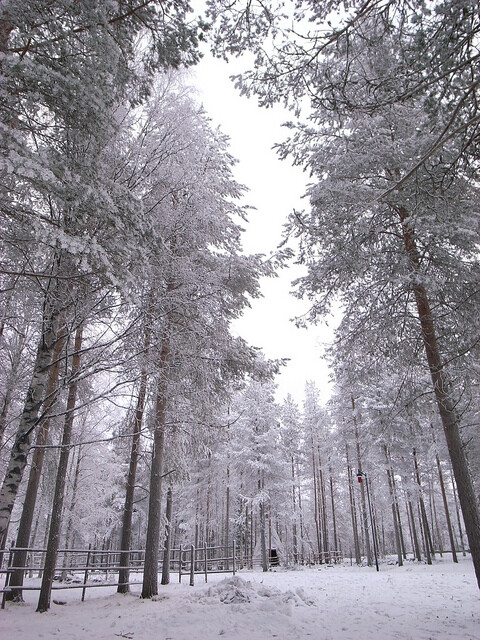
[(122, 269)]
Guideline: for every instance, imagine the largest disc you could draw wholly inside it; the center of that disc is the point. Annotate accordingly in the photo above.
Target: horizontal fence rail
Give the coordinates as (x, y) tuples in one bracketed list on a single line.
[(92, 568), (84, 568)]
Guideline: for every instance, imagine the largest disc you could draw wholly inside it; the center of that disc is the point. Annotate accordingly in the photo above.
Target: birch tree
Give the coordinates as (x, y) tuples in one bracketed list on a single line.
[(65, 67)]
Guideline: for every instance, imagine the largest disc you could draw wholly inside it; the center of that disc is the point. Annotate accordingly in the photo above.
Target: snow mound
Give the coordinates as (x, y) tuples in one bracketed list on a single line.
[(235, 590)]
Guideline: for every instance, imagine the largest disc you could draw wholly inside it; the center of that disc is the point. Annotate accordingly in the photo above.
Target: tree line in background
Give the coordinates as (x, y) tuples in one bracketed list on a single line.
[(122, 270)]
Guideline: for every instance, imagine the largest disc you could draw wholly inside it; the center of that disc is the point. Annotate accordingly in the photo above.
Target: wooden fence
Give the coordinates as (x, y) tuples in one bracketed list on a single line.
[(87, 568)]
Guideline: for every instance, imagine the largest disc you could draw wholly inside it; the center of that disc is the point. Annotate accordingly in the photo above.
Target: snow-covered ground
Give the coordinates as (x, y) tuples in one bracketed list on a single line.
[(414, 602)]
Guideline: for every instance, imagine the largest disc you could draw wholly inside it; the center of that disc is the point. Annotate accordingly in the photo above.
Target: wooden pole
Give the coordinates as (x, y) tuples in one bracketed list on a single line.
[(85, 576)]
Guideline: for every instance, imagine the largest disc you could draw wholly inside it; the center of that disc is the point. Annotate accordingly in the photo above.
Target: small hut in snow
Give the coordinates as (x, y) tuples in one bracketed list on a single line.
[(275, 549)]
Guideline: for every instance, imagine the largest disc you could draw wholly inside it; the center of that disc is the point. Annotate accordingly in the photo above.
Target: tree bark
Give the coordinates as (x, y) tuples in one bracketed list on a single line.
[(294, 523), (227, 518), (362, 492), (395, 520), (423, 514), (323, 511), (457, 511), (71, 508), (416, 544), (150, 575), (11, 383), (168, 539), (300, 513), (263, 539), (447, 511), (446, 405), (356, 543), (56, 521), (26, 519), (335, 539), (316, 505), (29, 417), (126, 534)]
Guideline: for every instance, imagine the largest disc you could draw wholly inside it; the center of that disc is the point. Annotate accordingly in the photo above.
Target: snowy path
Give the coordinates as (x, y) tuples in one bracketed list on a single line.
[(416, 602)]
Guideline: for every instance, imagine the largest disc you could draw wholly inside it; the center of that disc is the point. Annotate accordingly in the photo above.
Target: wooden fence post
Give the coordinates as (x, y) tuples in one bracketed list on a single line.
[(233, 560), (192, 566), (85, 576)]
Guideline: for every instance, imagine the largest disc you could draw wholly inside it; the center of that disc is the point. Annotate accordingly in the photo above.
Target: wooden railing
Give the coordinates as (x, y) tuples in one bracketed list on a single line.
[(84, 568)]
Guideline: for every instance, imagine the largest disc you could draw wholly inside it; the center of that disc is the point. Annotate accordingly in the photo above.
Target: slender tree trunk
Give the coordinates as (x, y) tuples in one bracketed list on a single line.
[(26, 519), (395, 521), (197, 519), (126, 533), (316, 507), (362, 492), (45, 542), (55, 524), (457, 511), (446, 405), (7, 400), (253, 532), (353, 509), (423, 511), (423, 521), (418, 555), (324, 512), (395, 511), (263, 539), (400, 526), (294, 522), (11, 383), (29, 417), (73, 501), (168, 538), (150, 575), (127, 517), (433, 510), (335, 539), (247, 538), (207, 513), (447, 511), (32, 544), (227, 518), (300, 513)]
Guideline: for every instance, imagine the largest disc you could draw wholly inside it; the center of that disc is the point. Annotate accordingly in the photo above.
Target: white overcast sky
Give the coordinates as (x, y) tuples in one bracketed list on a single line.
[(275, 189)]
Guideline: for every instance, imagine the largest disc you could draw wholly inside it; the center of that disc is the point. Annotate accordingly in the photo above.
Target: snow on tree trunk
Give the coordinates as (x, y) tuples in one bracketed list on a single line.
[(353, 510), (416, 544), (396, 527), (26, 519), (294, 507), (168, 538), (29, 417), (362, 491), (447, 511), (126, 535), (150, 575), (56, 521), (263, 537), (71, 509), (446, 404)]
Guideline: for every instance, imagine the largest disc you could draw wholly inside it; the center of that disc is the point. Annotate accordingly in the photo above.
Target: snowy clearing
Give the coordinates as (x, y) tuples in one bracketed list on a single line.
[(414, 602)]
